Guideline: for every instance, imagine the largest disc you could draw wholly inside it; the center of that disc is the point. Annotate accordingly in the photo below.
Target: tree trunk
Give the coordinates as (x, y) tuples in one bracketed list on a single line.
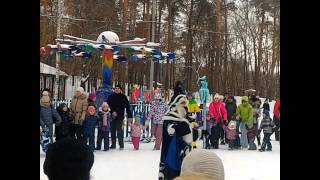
[(258, 65)]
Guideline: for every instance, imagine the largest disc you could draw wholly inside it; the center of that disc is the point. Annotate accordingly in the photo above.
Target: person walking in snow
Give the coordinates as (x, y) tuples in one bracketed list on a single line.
[(157, 111), (218, 114), (118, 102), (245, 115), (268, 127), (136, 129)]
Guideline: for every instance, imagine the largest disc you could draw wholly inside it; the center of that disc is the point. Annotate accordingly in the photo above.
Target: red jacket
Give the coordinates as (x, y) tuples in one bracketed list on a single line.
[(276, 110), (217, 111)]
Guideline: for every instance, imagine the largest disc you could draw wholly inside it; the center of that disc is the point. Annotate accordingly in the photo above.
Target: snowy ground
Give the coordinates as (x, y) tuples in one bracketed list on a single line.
[(143, 164)]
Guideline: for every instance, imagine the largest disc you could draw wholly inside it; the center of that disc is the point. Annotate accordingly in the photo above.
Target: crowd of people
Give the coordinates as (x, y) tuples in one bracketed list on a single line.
[(176, 126)]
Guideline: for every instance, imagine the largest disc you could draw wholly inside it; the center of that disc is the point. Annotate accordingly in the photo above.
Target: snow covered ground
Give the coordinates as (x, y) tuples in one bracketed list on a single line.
[(143, 164)]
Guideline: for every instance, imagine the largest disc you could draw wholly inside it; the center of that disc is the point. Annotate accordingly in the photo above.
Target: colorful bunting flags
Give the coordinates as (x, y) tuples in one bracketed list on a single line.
[(86, 51)]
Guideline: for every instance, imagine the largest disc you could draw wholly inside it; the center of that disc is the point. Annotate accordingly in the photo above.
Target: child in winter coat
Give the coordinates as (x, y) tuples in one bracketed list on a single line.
[(89, 125), (268, 128), (136, 128), (231, 131), (104, 127), (63, 130), (252, 133)]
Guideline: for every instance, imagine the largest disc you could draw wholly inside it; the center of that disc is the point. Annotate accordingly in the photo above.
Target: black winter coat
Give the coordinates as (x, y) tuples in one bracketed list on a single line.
[(117, 103), (63, 130)]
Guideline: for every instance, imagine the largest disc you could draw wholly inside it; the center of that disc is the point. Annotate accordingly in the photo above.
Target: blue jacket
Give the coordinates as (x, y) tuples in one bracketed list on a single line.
[(47, 115), (89, 125)]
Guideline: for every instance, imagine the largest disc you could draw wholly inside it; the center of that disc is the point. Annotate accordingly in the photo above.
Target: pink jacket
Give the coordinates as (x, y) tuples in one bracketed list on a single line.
[(231, 133), (136, 130), (217, 111)]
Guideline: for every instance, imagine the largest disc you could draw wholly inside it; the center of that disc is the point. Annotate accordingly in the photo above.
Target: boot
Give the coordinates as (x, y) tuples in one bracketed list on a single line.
[(258, 139), (252, 146), (222, 142), (263, 147)]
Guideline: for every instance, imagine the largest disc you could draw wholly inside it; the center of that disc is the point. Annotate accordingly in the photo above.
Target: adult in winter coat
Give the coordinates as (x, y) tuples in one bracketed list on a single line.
[(117, 103), (63, 130), (177, 137), (157, 111), (231, 107), (48, 115), (245, 115), (276, 118), (79, 105), (218, 115)]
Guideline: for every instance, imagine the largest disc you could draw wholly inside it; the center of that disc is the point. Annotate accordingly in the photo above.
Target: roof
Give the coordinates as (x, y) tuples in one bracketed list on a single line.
[(46, 69)]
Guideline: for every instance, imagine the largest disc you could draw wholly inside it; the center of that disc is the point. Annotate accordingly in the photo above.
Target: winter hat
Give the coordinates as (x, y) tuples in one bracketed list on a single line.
[(202, 163), (80, 89), (245, 98), (216, 96), (232, 125), (104, 104), (178, 105), (92, 96), (61, 106), (91, 109), (68, 159), (45, 93), (45, 97)]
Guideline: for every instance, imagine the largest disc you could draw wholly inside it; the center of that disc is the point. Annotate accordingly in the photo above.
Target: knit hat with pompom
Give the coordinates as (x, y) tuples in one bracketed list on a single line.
[(202, 163)]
